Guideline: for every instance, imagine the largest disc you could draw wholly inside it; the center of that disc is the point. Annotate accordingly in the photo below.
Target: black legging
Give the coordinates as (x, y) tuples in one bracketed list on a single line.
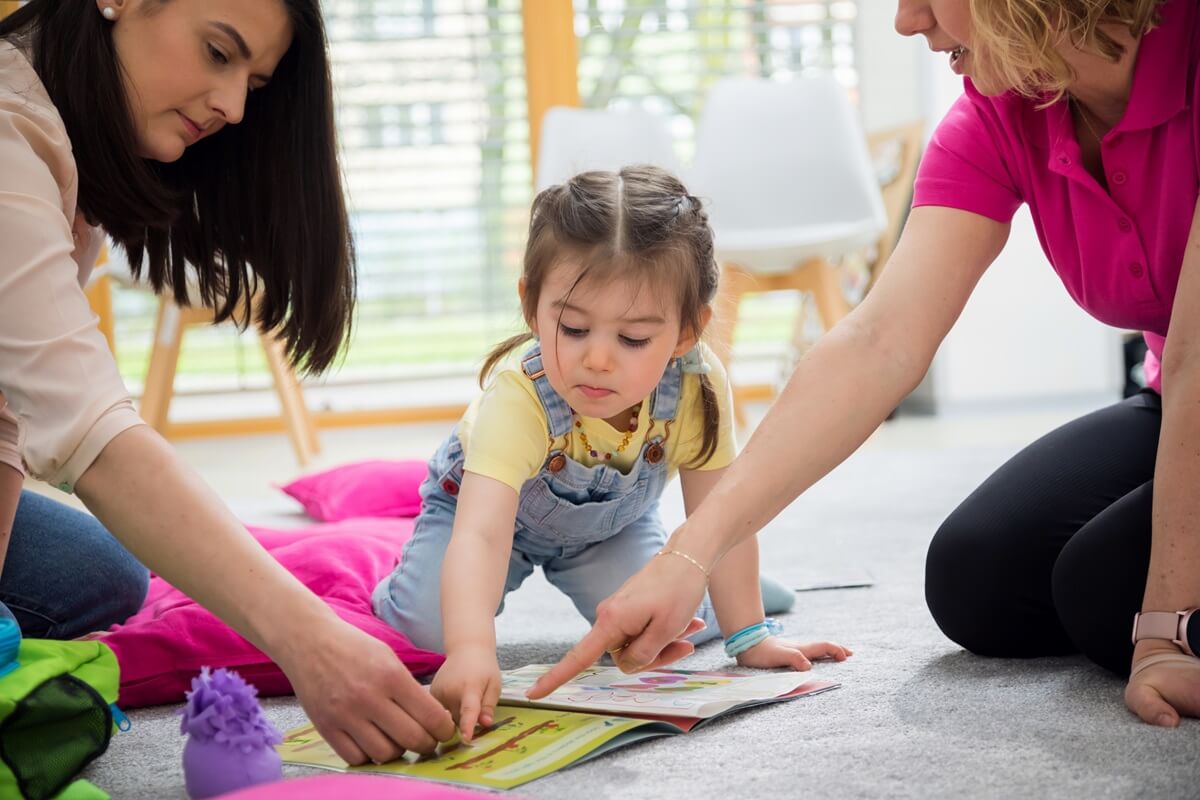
[(1049, 555)]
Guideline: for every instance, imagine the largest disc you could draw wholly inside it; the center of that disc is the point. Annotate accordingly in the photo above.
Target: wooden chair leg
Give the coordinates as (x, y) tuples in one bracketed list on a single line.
[(799, 332), (733, 285), (826, 289), (301, 429), (164, 359), (99, 295)]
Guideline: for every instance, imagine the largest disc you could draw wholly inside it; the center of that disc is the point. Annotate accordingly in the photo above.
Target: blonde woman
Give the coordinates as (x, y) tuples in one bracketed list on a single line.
[(1087, 111)]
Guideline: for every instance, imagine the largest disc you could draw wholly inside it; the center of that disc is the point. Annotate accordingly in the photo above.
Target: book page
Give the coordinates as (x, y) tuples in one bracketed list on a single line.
[(659, 693), (522, 744)]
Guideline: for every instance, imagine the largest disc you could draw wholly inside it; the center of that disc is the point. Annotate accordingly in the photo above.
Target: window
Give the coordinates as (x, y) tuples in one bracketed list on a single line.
[(433, 123), (664, 55)]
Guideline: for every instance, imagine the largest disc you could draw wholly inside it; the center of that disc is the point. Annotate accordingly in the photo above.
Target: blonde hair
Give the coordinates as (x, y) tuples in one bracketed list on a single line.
[(1017, 41), (638, 224)]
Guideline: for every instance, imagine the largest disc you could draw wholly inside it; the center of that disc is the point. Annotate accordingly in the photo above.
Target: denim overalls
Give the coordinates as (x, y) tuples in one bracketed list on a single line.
[(589, 528)]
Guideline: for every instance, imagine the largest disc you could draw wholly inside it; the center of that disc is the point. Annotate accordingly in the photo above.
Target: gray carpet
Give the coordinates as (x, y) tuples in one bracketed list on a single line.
[(915, 717)]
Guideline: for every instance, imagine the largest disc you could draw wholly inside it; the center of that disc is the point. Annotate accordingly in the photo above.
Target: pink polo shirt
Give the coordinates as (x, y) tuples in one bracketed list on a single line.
[(1118, 252)]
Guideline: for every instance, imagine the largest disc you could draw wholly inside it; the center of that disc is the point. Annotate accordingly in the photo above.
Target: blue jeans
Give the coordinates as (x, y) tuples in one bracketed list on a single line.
[(64, 573), (410, 598)]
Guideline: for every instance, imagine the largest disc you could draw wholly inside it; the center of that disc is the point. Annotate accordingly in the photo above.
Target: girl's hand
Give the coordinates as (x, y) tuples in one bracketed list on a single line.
[(1166, 689), (775, 652), (468, 684)]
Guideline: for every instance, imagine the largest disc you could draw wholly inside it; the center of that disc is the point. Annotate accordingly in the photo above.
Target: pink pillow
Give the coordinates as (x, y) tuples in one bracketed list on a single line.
[(361, 489), (162, 647), (361, 787)]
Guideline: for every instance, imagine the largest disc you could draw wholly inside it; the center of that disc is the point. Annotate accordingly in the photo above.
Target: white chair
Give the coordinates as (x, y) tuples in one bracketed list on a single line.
[(575, 140), (790, 188)]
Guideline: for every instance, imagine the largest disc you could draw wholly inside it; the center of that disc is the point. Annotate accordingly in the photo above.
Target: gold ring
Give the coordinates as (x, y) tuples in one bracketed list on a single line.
[(616, 650)]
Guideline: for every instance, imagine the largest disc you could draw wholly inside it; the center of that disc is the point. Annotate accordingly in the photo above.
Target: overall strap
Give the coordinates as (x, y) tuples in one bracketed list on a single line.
[(664, 402), (558, 413)]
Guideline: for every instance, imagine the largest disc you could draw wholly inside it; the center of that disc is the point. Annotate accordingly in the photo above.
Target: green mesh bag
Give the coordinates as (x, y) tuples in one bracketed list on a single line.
[(56, 716)]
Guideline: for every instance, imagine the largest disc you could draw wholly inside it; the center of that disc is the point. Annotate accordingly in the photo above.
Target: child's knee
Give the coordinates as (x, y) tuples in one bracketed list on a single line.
[(406, 609)]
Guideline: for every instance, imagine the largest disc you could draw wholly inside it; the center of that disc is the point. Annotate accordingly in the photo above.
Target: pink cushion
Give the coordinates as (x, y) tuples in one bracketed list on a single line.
[(361, 489), (360, 787), (165, 644)]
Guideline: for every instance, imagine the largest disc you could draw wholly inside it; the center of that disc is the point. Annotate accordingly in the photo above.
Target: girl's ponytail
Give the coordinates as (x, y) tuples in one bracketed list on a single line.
[(712, 422), (500, 351)]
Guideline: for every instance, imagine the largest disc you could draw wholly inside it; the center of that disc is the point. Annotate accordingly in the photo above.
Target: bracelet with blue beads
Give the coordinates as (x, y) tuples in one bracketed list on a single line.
[(751, 635)]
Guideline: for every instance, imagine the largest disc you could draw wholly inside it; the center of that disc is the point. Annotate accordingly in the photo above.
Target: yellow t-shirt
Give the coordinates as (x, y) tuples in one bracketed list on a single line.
[(505, 434)]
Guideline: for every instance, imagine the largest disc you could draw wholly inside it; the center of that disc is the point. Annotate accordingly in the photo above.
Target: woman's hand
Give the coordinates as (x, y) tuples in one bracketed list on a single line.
[(361, 698), (468, 684), (1167, 687), (642, 625), (356, 692), (775, 652)]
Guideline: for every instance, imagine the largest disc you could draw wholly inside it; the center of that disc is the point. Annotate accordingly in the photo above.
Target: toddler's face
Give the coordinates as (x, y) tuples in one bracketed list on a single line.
[(605, 347)]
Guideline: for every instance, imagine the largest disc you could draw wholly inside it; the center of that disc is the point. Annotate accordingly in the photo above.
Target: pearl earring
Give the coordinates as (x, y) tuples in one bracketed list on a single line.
[(109, 13)]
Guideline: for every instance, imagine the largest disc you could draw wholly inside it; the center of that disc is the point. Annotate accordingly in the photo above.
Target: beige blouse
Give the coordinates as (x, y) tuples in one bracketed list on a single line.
[(65, 397)]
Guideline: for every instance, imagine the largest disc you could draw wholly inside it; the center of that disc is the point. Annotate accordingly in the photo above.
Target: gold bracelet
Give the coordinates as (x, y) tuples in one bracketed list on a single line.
[(694, 562)]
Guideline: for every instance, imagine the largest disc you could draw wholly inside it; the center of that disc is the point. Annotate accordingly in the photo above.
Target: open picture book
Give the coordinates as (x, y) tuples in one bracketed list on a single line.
[(600, 710)]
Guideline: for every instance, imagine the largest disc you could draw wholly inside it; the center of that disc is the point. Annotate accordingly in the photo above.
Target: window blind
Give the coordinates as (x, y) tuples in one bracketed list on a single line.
[(433, 124)]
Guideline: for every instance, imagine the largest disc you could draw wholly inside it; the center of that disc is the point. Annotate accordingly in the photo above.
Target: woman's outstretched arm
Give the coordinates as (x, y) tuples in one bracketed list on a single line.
[(842, 389), (354, 688)]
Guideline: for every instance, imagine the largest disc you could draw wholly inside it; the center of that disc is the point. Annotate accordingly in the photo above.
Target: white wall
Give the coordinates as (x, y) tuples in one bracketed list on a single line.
[(889, 66), (1020, 336)]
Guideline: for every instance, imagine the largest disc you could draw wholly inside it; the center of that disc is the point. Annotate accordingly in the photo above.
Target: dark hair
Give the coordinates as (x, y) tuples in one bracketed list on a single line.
[(256, 210), (639, 224)]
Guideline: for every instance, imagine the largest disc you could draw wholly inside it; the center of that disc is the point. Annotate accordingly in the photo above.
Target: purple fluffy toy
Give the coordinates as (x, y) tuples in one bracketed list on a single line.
[(230, 743)]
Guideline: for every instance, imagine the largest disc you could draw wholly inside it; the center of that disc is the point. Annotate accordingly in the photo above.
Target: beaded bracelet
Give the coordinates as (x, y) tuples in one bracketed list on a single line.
[(751, 635)]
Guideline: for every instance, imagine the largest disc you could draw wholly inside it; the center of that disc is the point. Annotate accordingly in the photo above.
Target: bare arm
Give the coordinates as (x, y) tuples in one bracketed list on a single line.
[(355, 690), (174, 523), (10, 494), (853, 377), (733, 585), (737, 599), (1175, 554), (843, 388), (476, 564), (1173, 580), (12, 477), (473, 576)]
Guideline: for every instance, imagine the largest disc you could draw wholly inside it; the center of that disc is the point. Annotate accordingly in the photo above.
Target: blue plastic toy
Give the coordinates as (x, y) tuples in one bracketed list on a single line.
[(10, 641)]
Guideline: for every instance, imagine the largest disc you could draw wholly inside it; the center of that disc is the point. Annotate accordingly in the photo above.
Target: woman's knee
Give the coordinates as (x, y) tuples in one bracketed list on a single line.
[(952, 591), (972, 577), (109, 594), (125, 582), (1095, 600), (66, 573)]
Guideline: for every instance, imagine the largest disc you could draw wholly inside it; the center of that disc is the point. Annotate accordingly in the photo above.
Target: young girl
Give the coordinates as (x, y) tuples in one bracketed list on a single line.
[(561, 462)]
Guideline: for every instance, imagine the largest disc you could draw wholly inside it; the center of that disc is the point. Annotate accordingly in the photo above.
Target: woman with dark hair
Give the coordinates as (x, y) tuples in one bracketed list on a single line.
[(1088, 540), (199, 135)]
